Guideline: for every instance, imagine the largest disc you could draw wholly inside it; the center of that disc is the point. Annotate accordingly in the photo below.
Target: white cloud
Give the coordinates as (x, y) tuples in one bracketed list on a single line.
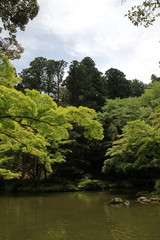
[(70, 29)]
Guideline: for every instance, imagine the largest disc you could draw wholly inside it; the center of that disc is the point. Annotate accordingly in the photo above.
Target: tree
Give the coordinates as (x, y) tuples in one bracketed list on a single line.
[(144, 14), (33, 77), (44, 76), (116, 113), (136, 88), (7, 73), (151, 96), (57, 77), (33, 130), (137, 147), (85, 84), (154, 78), (116, 83), (15, 14)]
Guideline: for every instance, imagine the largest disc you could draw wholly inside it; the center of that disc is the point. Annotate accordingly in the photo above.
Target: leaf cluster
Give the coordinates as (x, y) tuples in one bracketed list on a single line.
[(15, 14), (137, 147), (144, 14), (32, 125)]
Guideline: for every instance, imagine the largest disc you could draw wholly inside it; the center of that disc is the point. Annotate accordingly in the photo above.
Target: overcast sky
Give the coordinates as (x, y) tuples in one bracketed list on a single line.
[(73, 29)]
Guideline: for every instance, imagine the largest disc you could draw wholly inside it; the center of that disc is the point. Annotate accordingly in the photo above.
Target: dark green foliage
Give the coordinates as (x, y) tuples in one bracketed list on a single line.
[(155, 78), (157, 187), (85, 84), (117, 84), (83, 156), (33, 77), (15, 14), (137, 88), (89, 184), (44, 76)]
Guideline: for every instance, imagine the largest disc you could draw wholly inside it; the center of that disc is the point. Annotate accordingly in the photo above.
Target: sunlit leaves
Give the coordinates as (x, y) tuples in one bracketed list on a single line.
[(7, 174), (84, 117), (152, 95), (7, 73), (138, 146), (33, 125)]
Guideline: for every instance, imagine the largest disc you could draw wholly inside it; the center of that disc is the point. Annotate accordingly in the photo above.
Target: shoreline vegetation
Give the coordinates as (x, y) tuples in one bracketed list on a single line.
[(88, 131), (48, 147), (86, 184)]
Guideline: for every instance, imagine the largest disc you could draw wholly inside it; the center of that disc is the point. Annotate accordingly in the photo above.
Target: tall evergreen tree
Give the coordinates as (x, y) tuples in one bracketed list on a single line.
[(137, 88), (85, 84), (117, 84)]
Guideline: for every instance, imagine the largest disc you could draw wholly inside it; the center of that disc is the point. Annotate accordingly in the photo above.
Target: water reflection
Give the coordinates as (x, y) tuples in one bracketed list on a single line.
[(76, 216)]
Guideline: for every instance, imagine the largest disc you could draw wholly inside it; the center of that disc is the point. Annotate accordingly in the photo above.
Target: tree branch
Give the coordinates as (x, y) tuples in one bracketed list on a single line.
[(25, 117)]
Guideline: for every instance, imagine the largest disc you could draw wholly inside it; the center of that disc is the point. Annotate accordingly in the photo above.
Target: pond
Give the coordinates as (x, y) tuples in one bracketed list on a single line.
[(76, 216)]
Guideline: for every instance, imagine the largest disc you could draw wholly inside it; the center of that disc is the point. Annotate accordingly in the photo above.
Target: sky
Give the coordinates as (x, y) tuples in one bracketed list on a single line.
[(73, 29)]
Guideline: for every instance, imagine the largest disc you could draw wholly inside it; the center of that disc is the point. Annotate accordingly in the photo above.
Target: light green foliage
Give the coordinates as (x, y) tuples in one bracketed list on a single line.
[(84, 117), (151, 97), (6, 174), (7, 73), (133, 149), (116, 113), (43, 75), (138, 145), (31, 124), (120, 111), (155, 118)]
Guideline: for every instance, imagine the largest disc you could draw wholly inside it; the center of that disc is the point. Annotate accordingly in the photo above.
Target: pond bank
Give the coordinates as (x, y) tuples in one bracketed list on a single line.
[(70, 186)]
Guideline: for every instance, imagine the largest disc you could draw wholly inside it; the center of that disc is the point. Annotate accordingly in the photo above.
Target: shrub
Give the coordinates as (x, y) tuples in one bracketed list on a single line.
[(89, 184), (157, 187)]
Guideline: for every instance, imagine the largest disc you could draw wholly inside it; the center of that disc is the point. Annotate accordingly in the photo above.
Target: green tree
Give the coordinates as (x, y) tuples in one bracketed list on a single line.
[(136, 88), (15, 14), (85, 84), (137, 147), (117, 84), (33, 77), (55, 77), (44, 76), (7, 73), (154, 78), (117, 112), (32, 124), (151, 96)]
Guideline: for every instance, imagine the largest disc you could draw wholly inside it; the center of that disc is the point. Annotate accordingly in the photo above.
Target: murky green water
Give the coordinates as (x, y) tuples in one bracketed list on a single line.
[(76, 216)]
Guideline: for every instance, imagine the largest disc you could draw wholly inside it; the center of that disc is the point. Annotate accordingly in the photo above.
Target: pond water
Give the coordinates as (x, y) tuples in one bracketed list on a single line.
[(76, 216)]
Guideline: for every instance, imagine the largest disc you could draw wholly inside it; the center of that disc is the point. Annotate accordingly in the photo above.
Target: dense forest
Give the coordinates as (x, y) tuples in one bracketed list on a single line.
[(84, 130)]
